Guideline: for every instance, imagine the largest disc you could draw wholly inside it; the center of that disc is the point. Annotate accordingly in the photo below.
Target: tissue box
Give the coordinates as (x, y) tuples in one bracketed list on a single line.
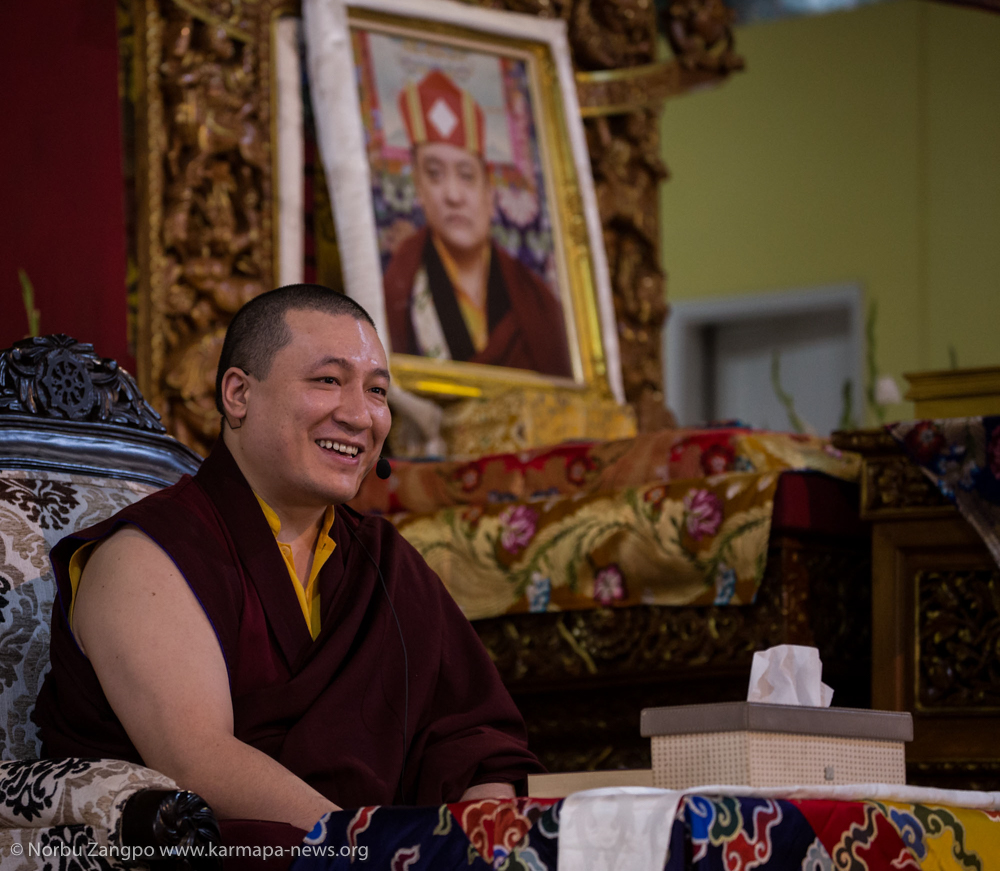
[(754, 744)]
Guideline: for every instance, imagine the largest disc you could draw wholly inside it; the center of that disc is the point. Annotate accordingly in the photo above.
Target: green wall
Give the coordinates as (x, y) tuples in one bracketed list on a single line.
[(860, 146)]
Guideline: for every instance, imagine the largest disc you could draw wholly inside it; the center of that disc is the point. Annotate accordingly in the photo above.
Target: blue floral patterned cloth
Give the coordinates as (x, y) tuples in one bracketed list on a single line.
[(962, 457), (709, 833)]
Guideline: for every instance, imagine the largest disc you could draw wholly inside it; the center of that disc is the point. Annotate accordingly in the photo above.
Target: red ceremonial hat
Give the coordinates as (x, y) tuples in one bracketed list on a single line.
[(437, 110)]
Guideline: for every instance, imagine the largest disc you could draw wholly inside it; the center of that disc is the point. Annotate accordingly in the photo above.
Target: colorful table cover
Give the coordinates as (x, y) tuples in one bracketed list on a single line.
[(721, 829), (962, 457), (677, 517)]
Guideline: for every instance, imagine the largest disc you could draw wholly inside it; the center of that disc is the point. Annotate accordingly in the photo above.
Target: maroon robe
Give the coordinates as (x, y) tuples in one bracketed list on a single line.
[(528, 332), (329, 710)]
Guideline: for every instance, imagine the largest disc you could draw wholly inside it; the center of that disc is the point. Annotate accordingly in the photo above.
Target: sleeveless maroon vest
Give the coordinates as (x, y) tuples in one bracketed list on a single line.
[(329, 710)]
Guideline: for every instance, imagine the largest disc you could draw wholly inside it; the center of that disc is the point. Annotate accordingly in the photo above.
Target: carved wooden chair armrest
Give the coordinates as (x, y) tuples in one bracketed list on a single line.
[(117, 810)]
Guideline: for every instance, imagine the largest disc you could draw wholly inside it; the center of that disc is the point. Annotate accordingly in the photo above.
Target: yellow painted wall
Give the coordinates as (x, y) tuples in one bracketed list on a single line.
[(857, 146)]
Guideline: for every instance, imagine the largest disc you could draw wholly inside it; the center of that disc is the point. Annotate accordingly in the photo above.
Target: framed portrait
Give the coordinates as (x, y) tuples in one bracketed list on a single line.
[(461, 192)]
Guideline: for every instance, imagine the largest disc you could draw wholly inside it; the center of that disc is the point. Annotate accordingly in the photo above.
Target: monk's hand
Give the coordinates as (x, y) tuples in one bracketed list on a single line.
[(488, 790)]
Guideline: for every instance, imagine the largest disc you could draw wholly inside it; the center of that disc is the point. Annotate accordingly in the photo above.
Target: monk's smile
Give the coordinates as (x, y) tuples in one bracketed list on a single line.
[(344, 450)]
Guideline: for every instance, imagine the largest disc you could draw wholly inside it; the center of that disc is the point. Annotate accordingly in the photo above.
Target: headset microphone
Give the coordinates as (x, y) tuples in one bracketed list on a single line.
[(382, 468)]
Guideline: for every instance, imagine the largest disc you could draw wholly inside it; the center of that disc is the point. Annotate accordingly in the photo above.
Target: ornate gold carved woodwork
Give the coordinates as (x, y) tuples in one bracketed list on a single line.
[(624, 152), (204, 179), (627, 169), (891, 486), (869, 442), (582, 678), (612, 34), (811, 592), (588, 731), (981, 775), (958, 636), (205, 223), (933, 601), (701, 36), (614, 92)]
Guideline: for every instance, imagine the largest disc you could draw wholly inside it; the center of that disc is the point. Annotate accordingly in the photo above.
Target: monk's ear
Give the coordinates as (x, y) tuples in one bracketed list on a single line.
[(235, 396)]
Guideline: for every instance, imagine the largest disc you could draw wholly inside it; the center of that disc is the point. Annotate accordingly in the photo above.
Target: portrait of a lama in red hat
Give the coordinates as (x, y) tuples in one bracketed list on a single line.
[(467, 275)]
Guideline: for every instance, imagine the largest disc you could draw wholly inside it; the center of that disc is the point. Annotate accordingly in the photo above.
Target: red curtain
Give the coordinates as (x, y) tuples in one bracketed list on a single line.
[(61, 190)]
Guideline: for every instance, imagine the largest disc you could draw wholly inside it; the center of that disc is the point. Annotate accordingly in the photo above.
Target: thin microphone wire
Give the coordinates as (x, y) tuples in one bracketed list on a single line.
[(406, 663)]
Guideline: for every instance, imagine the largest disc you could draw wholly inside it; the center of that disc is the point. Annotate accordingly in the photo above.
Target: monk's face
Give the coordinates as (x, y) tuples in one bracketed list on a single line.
[(457, 198), (316, 424)]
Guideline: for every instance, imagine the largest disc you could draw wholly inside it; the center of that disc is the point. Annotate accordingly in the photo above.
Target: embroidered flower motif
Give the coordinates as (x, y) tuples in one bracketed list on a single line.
[(725, 584), (472, 514), (518, 527), (577, 469), (539, 243), (493, 827), (524, 858), (47, 503), (501, 496), (925, 441), (817, 858), (539, 593), (717, 459), (468, 476), (395, 234), (955, 468), (404, 858), (654, 497), (519, 205), (704, 513), (508, 238), (609, 585), (399, 192)]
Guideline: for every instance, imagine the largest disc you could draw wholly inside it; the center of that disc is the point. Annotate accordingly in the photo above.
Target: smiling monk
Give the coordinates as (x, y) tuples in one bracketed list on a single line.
[(250, 636)]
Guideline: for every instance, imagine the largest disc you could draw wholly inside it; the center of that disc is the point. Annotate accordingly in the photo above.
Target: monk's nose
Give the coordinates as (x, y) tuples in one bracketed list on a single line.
[(353, 409)]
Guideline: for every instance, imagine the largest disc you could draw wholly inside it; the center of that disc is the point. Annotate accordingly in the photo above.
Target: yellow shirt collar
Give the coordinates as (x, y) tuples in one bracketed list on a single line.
[(307, 594)]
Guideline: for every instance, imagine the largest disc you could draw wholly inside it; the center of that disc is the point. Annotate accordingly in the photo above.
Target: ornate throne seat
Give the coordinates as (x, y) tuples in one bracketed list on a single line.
[(77, 442)]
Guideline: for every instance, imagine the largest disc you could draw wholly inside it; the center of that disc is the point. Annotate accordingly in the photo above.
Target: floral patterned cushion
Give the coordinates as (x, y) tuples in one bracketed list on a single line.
[(47, 792), (54, 808), (36, 510)]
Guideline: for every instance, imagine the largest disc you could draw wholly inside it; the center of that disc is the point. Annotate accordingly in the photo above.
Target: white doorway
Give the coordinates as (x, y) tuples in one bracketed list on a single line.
[(719, 357)]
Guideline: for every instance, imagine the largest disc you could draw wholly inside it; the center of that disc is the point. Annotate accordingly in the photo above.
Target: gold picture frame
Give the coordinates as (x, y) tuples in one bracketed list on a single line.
[(467, 38), (205, 237)]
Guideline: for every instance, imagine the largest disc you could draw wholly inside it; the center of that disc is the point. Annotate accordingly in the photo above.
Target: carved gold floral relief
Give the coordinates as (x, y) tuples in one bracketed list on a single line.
[(205, 184)]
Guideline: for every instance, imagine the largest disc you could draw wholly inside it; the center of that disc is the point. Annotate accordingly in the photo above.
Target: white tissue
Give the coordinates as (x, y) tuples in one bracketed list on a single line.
[(789, 674)]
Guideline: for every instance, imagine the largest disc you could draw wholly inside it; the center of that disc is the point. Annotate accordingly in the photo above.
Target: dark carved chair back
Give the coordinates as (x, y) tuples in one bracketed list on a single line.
[(77, 443), (65, 409)]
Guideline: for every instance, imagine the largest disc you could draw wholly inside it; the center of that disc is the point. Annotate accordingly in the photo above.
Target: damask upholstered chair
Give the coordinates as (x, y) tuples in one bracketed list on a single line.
[(77, 442)]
